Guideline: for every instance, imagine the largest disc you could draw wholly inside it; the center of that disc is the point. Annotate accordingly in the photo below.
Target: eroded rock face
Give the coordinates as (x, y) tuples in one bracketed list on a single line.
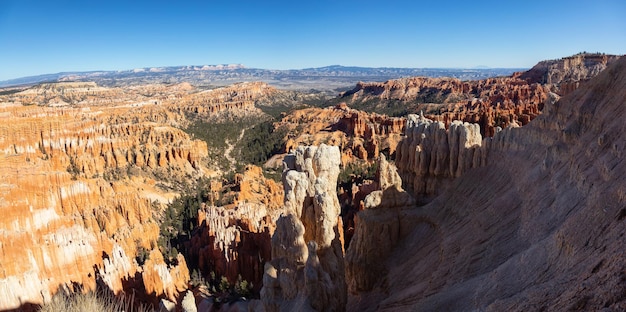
[(431, 155), (539, 228), (565, 75), (307, 267), (379, 227), (81, 172), (359, 135), (491, 103), (235, 239)]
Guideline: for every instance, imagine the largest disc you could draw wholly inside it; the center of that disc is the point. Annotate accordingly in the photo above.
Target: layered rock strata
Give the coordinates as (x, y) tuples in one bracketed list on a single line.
[(359, 135), (493, 102), (307, 268), (566, 74)]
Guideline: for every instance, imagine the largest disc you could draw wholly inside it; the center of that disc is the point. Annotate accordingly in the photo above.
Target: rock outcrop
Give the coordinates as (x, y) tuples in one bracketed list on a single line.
[(307, 268), (431, 156), (566, 74), (379, 227), (359, 135), (539, 228)]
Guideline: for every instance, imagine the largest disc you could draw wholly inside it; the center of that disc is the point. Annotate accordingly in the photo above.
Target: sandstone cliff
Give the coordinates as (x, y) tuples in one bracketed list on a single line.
[(565, 75), (307, 268), (539, 228)]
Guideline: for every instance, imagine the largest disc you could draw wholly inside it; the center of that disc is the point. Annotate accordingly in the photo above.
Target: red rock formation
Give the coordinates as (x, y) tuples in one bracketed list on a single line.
[(358, 134), (79, 184), (235, 239), (493, 102)]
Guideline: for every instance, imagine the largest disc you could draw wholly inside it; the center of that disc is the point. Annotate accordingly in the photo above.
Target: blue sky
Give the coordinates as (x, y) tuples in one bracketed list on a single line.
[(38, 37)]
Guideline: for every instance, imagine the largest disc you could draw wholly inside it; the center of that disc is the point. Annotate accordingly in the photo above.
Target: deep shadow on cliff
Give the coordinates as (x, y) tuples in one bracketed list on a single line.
[(541, 227)]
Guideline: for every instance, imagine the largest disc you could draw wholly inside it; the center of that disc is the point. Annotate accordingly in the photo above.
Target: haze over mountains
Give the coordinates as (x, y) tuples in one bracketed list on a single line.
[(323, 78)]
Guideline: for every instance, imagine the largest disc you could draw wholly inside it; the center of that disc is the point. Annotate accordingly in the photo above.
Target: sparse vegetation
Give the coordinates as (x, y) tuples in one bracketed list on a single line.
[(73, 169), (180, 218), (99, 301), (357, 172)]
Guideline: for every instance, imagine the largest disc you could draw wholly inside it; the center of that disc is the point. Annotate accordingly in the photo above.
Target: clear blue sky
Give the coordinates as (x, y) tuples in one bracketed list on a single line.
[(38, 37)]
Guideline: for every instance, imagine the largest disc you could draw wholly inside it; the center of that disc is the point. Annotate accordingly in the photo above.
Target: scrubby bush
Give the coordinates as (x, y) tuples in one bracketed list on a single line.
[(100, 301)]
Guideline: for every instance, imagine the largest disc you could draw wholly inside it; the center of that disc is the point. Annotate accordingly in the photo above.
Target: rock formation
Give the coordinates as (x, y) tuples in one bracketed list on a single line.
[(430, 156), (539, 228), (379, 227), (566, 74), (358, 134), (307, 268), (491, 102), (83, 183)]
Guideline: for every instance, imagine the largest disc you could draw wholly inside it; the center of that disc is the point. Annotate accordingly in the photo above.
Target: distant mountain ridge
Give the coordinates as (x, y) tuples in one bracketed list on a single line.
[(322, 78)]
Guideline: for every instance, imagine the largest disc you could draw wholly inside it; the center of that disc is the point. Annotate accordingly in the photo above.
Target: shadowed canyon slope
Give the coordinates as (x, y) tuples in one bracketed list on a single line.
[(540, 227)]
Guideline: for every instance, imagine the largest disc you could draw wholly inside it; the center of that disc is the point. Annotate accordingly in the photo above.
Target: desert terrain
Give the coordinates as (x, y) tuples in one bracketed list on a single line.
[(223, 188)]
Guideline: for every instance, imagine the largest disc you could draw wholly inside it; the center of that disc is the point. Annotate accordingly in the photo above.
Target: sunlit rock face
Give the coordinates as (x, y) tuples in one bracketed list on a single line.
[(80, 174), (359, 135), (307, 267)]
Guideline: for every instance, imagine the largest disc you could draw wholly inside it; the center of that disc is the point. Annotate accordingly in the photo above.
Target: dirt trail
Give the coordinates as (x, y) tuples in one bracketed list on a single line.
[(230, 147)]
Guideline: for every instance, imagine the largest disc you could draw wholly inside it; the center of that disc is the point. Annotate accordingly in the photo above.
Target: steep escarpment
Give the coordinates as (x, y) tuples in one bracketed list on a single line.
[(540, 227), (565, 75)]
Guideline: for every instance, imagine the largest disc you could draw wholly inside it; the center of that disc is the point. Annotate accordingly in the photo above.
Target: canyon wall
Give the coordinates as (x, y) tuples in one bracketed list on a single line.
[(490, 103), (68, 205), (539, 227)]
